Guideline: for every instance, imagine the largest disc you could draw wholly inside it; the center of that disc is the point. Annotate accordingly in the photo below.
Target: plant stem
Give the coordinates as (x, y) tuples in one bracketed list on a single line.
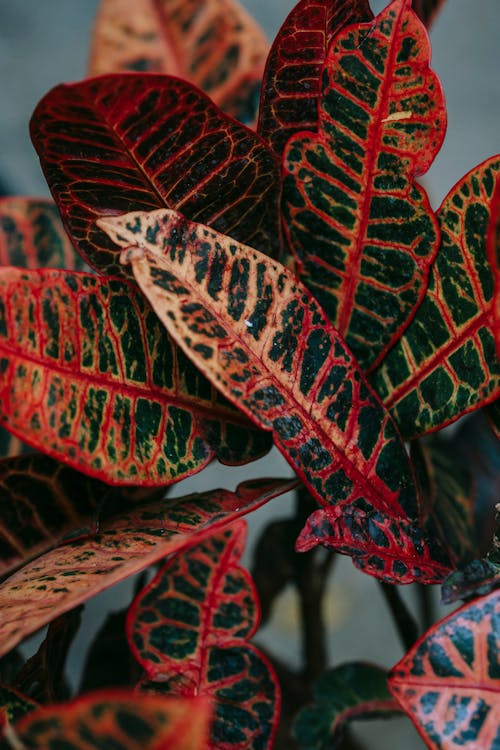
[(405, 623)]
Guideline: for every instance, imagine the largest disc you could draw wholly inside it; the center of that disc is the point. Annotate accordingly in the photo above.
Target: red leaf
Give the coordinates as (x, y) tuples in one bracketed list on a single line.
[(493, 250), (13, 706), (125, 544), (189, 630), (214, 44), (449, 683), (291, 85), (270, 350), (362, 230), (115, 718), (118, 142), (88, 376)]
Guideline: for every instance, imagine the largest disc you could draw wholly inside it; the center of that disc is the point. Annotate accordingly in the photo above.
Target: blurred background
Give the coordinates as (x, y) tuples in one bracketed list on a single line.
[(45, 43)]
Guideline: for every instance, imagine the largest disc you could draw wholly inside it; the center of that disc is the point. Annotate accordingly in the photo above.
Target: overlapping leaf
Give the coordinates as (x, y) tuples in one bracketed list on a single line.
[(391, 549), (361, 229), (355, 690), (216, 45), (189, 629), (449, 683), (445, 364), (115, 718), (88, 375), (493, 249), (266, 344), (125, 544), (121, 142), (291, 85), (13, 706)]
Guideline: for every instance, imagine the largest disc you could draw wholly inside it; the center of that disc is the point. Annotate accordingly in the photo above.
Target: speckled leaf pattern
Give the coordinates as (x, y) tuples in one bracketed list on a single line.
[(125, 142), (449, 683), (260, 337), (215, 44), (361, 229), (13, 706), (291, 85), (120, 719), (390, 549), (493, 249), (126, 544), (88, 375), (190, 626), (445, 364), (427, 10), (356, 690)]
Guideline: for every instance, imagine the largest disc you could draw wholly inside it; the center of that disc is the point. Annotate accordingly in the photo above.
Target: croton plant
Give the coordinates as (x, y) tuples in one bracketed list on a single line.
[(247, 273)]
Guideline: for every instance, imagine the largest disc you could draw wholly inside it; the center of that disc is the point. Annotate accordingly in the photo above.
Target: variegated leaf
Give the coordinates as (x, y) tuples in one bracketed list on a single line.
[(125, 544), (291, 85), (214, 44), (445, 364), (391, 549), (118, 719), (355, 690), (449, 683), (88, 376), (362, 230), (189, 630), (254, 330), (493, 249), (13, 706), (126, 141)]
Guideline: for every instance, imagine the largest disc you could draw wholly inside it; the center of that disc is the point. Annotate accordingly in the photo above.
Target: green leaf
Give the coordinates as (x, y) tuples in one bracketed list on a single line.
[(351, 691), (125, 544), (88, 375), (189, 629), (361, 228), (445, 364), (449, 682), (265, 343)]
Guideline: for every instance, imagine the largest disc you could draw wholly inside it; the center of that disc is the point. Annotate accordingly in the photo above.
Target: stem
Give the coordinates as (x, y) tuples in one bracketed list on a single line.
[(405, 623)]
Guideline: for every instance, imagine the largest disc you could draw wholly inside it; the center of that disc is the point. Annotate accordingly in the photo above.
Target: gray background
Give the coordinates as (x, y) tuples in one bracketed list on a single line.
[(45, 43)]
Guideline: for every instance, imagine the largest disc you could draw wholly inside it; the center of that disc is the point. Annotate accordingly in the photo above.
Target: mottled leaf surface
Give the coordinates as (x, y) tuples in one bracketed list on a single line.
[(120, 719), (355, 690), (493, 249), (260, 337), (449, 682), (128, 142), (291, 85), (216, 45), (427, 10), (88, 376), (391, 549), (189, 628), (445, 364), (361, 229), (125, 544), (13, 706)]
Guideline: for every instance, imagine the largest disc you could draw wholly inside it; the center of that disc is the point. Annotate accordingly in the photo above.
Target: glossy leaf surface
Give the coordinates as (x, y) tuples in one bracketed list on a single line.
[(493, 247), (351, 691), (391, 549), (266, 344), (216, 45), (445, 364), (449, 683), (125, 544), (122, 142), (13, 706), (361, 229), (189, 628), (89, 376), (116, 718), (291, 85)]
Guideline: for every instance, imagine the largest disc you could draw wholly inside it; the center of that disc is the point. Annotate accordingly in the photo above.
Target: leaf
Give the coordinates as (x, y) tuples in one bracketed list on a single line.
[(427, 10), (493, 250), (354, 690), (13, 706), (290, 89), (88, 376), (445, 364), (189, 628), (115, 718), (126, 544), (117, 142), (216, 45), (361, 229), (449, 682), (32, 235), (391, 549), (266, 344)]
